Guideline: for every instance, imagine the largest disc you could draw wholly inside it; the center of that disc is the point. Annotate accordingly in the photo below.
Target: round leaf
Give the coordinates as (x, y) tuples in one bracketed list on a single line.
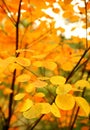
[(40, 84), (33, 112), (83, 104), (26, 105), (82, 83), (19, 96), (65, 102), (23, 61), (50, 65), (63, 89), (36, 110), (30, 88), (57, 80), (23, 78), (55, 111)]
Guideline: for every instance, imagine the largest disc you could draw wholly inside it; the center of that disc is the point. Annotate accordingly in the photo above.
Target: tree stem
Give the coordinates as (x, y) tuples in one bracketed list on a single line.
[(14, 72)]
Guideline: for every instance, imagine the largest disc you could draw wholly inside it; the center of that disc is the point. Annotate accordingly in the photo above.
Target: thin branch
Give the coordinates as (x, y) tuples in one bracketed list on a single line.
[(87, 49), (71, 127), (7, 15), (11, 98), (2, 113), (83, 64), (73, 70), (86, 23), (14, 73), (77, 111), (17, 26), (8, 11), (35, 124)]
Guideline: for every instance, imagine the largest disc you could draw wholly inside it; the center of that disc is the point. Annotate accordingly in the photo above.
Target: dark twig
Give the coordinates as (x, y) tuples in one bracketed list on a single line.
[(17, 26), (87, 49), (77, 111), (14, 73), (73, 70), (86, 23), (7, 11), (35, 124)]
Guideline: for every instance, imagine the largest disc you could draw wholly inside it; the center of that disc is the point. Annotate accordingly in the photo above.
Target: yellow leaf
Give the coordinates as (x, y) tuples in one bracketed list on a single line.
[(41, 56), (5, 63), (30, 88), (40, 94), (14, 66), (57, 80), (39, 84), (83, 104), (10, 59), (50, 65), (67, 66), (47, 64), (82, 83), (55, 111), (26, 105), (38, 64), (36, 110), (65, 102), (19, 96), (23, 61), (45, 108), (33, 112), (63, 89), (23, 78)]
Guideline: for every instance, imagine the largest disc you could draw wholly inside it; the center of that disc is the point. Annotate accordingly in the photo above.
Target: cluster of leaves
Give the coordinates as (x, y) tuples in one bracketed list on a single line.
[(42, 75)]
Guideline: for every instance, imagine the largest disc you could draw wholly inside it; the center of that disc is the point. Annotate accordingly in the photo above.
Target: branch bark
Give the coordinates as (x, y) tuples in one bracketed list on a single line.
[(14, 73)]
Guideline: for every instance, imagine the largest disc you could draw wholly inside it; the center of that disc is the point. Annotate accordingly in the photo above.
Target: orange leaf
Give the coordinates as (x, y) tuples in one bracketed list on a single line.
[(67, 1), (88, 5), (7, 91), (56, 10)]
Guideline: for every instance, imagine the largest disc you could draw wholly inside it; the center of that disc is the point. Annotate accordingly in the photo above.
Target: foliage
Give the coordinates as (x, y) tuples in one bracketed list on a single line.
[(44, 76)]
